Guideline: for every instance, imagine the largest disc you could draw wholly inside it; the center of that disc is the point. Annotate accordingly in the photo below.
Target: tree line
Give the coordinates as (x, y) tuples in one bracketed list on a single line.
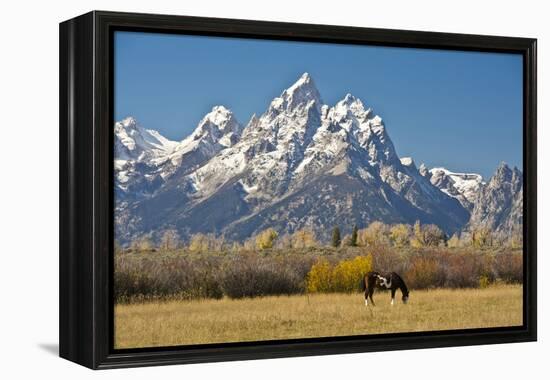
[(375, 234)]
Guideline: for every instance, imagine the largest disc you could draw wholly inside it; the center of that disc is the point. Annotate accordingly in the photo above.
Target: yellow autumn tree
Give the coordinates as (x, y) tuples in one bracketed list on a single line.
[(319, 277), (426, 235), (400, 235), (375, 234), (482, 237), (454, 241), (347, 274), (169, 240), (303, 238), (343, 277), (516, 239), (417, 240), (142, 243), (266, 238), (199, 243)]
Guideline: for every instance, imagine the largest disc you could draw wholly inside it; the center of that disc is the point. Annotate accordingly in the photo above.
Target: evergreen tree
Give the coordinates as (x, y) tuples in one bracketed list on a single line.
[(336, 239), (354, 236)]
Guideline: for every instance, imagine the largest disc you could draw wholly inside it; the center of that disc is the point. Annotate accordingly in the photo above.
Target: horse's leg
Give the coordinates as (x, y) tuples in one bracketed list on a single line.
[(366, 296), (371, 291), (393, 295)]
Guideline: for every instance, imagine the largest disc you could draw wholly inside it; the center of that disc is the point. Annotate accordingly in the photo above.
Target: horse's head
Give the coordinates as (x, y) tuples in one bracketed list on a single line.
[(405, 298)]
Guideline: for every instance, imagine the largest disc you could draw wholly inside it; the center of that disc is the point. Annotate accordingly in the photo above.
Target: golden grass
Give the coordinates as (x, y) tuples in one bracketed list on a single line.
[(285, 317)]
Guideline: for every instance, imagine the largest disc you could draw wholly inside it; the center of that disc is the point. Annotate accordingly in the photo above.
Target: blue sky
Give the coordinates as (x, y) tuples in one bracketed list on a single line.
[(461, 110)]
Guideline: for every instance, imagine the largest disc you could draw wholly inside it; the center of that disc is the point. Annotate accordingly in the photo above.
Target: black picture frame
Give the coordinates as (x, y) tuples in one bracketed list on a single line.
[(86, 189)]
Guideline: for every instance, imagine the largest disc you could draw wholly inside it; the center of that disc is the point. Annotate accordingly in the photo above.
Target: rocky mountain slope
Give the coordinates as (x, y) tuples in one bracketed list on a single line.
[(499, 205), (301, 164), (465, 187)]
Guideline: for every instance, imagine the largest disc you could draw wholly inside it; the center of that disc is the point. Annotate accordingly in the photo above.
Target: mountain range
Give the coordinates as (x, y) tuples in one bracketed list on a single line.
[(301, 164)]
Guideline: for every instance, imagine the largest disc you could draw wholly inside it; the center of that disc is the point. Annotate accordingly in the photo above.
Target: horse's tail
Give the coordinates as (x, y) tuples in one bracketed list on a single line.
[(365, 280)]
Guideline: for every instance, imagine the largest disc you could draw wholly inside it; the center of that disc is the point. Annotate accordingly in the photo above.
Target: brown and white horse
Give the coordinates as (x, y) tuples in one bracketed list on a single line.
[(390, 281)]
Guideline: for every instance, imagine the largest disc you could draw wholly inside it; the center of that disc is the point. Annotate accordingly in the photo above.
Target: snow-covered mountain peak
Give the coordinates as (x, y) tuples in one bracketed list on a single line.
[(304, 82), (135, 142), (300, 163), (465, 187), (126, 128), (146, 160), (218, 125), (352, 102), (138, 154), (298, 96), (128, 122), (217, 130), (349, 98), (220, 117), (351, 105)]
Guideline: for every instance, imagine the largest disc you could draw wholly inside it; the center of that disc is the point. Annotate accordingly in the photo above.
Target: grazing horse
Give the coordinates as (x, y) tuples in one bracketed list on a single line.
[(390, 281)]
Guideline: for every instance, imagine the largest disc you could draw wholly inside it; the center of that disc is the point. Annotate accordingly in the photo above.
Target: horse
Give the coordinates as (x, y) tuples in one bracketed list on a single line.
[(390, 281)]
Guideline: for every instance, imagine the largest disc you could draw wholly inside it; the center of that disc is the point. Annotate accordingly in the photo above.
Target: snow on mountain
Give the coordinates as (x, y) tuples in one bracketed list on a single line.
[(144, 159), (407, 161), (497, 204), (444, 211), (465, 187), (298, 96), (302, 163), (271, 145), (132, 142), (218, 130), (138, 151)]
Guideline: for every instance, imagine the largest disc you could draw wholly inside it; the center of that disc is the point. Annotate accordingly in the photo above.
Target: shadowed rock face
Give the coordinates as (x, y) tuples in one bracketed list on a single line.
[(499, 206), (301, 164)]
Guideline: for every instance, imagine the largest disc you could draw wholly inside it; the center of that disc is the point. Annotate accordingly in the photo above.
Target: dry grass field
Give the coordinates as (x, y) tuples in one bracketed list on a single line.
[(301, 316)]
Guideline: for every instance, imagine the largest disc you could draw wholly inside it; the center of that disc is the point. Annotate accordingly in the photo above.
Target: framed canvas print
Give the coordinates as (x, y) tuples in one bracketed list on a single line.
[(237, 189)]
